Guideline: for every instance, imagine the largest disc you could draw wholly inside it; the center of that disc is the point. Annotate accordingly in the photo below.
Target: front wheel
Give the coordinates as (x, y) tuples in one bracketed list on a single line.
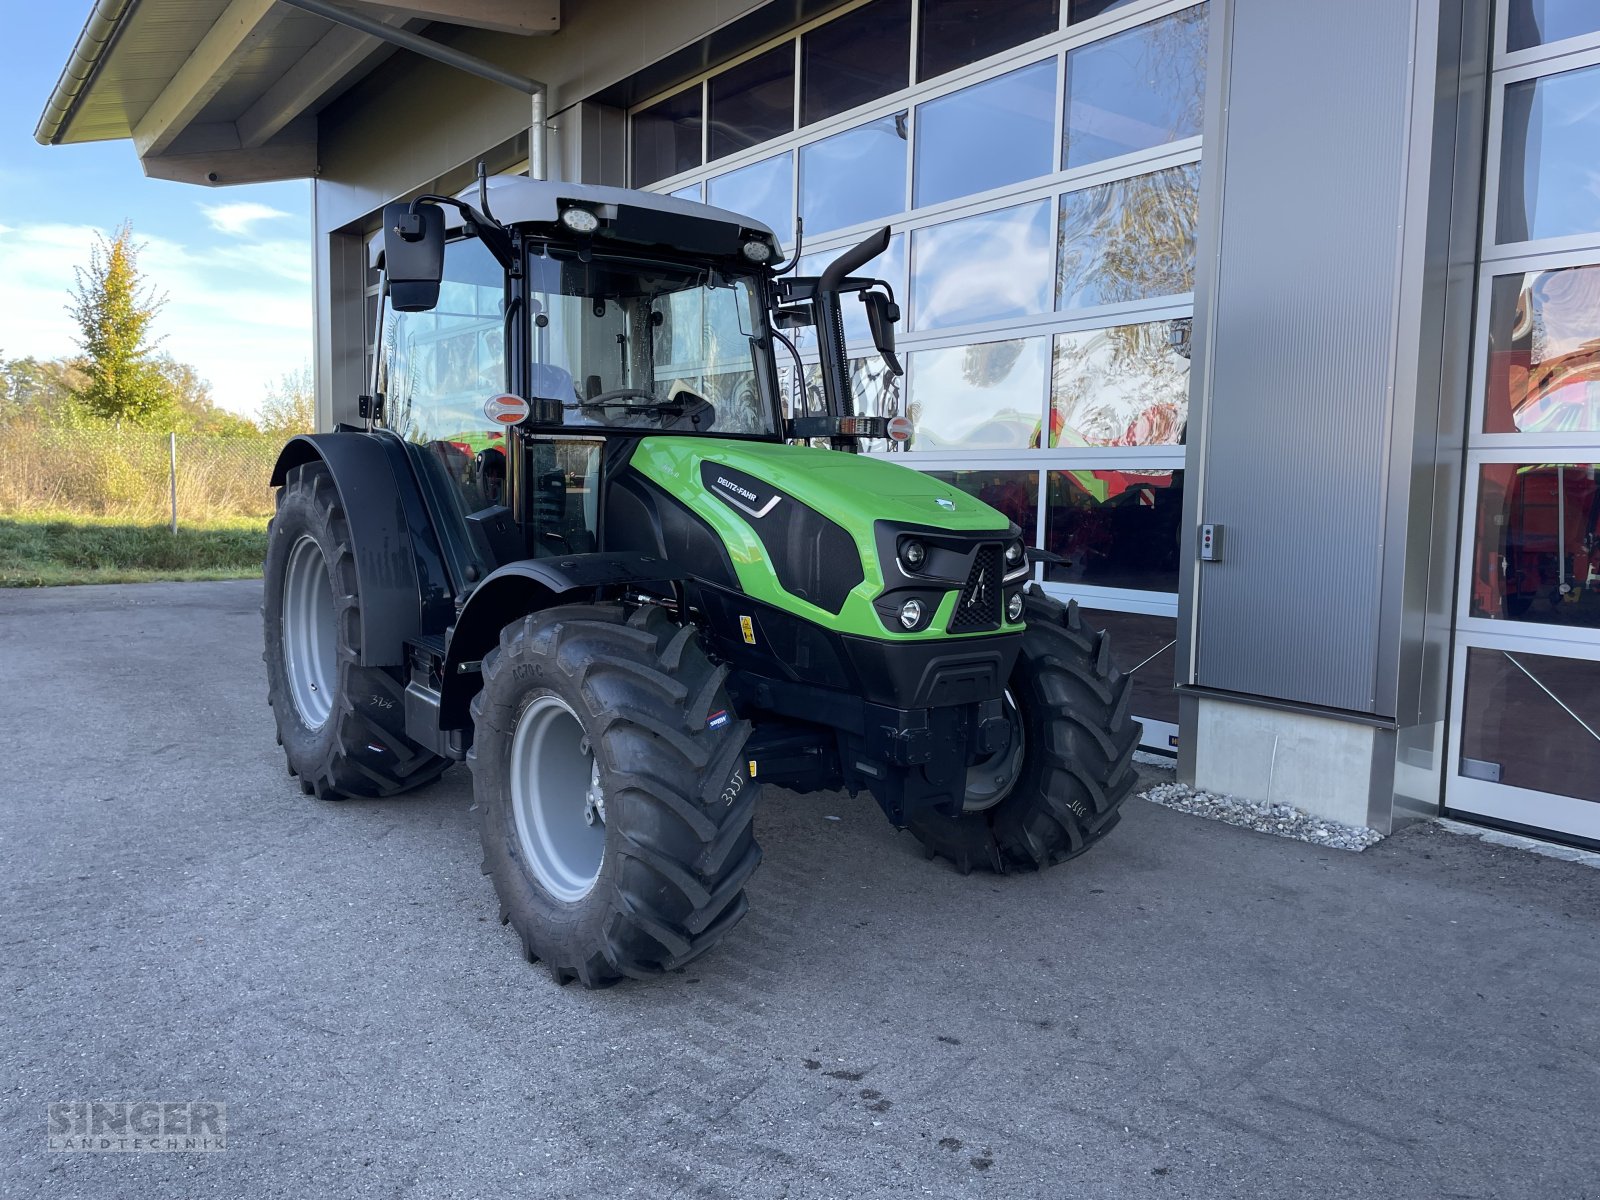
[(341, 725), (1058, 787), (614, 802)]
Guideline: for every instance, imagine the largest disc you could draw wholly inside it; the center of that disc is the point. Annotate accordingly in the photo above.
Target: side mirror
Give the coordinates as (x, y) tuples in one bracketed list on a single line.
[(413, 255), (882, 313)]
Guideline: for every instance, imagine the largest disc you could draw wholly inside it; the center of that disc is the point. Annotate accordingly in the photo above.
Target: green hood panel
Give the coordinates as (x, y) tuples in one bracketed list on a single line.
[(853, 491)]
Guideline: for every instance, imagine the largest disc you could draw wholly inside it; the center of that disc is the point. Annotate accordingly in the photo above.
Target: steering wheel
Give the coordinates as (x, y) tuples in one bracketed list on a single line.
[(607, 399)]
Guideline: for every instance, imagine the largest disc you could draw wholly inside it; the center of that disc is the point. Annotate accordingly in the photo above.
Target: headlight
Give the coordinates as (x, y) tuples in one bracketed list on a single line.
[(911, 614), (1014, 554), (580, 220), (1014, 607), (757, 251), (914, 554)]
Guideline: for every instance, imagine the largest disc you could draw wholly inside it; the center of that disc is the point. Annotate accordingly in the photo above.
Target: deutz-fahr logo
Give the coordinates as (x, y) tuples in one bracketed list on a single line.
[(743, 493)]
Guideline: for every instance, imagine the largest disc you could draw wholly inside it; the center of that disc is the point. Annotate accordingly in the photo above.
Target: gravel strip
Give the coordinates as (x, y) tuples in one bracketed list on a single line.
[(1284, 820)]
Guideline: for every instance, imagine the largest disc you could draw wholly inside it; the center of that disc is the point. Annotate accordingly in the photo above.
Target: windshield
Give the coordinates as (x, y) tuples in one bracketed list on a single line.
[(645, 345)]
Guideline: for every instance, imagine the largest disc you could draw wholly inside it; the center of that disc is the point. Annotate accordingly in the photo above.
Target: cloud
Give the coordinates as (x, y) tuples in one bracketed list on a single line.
[(240, 314), (238, 219)]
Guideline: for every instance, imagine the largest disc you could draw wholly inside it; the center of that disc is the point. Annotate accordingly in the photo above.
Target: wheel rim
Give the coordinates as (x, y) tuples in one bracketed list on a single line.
[(310, 644), (991, 780), (556, 796)]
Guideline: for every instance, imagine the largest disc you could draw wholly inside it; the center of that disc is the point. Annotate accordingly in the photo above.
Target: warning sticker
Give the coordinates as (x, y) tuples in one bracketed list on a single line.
[(748, 628)]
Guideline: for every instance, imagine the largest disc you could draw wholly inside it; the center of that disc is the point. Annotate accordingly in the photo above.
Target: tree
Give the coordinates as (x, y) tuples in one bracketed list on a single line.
[(291, 405), (193, 410), (114, 309)]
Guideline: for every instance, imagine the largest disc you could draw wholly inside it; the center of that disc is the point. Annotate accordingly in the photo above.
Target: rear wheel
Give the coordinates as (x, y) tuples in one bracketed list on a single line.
[(342, 725), (614, 802), (1057, 788)]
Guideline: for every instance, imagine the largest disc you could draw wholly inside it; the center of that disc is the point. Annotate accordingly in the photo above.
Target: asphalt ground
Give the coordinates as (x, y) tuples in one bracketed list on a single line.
[(1191, 1010)]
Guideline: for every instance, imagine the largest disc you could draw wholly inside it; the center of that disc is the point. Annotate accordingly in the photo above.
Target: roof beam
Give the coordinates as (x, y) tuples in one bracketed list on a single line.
[(503, 16), (341, 51), (236, 32)]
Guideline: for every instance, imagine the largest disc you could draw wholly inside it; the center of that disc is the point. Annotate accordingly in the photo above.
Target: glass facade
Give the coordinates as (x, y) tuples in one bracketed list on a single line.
[(1039, 165), (1525, 719)]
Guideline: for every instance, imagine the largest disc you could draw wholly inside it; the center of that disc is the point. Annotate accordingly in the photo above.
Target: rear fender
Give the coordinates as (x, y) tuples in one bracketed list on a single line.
[(401, 576), (524, 587)]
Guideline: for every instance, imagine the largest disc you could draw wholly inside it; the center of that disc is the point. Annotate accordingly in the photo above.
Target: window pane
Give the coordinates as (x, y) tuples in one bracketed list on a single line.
[(982, 268), (890, 266), (1510, 720), (855, 59), (692, 192), (1147, 647), (763, 190), (666, 137), (953, 33), (1548, 184), (983, 397), (1536, 556), (1129, 240), (1540, 22), (1544, 353), (752, 102), (1084, 10), (1114, 528), (987, 135), (855, 176), (1014, 493), (1125, 386), (1139, 89)]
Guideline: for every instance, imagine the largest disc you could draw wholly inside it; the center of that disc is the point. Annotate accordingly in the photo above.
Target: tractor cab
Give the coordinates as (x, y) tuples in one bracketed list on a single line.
[(580, 316)]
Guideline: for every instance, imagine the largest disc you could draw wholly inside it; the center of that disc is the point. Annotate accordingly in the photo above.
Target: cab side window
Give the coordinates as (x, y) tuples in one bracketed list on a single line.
[(440, 367)]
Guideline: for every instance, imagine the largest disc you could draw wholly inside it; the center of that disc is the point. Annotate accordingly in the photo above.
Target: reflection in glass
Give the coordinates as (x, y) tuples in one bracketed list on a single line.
[(877, 394), (1146, 647), (666, 137), (1115, 528), (981, 268), (890, 266), (1540, 22), (987, 135), (1124, 386), (855, 176), (1014, 493), (1549, 181), (1544, 352), (751, 102), (763, 190), (692, 192), (953, 33), (1536, 555), (1535, 717), (1138, 89), (854, 59), (1129, 240), (982, 397)]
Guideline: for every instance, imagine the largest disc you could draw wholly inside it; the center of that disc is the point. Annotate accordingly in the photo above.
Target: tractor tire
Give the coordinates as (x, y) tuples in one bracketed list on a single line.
[(614, 802), (1075, 767), (341, 725)]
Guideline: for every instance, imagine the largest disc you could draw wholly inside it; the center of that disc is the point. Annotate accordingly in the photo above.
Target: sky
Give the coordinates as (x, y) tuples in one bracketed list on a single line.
[(234, 262)]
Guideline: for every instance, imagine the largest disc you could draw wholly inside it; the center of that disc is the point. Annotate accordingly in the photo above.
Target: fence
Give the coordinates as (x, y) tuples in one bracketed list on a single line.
[(136, 475)]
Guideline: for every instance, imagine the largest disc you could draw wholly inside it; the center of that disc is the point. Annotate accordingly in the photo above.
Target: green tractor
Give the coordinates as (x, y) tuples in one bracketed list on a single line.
[(576, 542)]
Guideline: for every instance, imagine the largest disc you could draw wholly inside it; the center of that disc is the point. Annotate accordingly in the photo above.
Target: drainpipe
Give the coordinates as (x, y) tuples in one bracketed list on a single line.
[(450, 57)]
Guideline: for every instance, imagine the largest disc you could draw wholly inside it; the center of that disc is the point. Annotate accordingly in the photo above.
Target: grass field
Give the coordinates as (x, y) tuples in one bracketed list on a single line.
[(40, 550)]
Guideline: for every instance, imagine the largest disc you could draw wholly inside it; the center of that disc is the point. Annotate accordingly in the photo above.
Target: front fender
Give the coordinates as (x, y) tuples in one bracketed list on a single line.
[(399, 572), (524, 587)]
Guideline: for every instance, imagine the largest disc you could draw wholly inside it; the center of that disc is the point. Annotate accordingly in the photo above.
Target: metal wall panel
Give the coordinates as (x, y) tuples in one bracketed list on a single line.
[(1295, 442)]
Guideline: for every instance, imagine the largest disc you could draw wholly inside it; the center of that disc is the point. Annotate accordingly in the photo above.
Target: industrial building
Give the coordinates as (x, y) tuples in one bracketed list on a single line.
[(1277, 320)]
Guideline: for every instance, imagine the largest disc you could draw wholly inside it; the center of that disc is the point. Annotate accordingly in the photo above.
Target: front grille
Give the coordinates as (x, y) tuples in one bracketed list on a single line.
[(979, 605)]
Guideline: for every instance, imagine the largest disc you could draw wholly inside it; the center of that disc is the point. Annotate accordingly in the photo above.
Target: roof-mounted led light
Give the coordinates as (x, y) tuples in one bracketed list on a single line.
[(579, 220), (757, 251)]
